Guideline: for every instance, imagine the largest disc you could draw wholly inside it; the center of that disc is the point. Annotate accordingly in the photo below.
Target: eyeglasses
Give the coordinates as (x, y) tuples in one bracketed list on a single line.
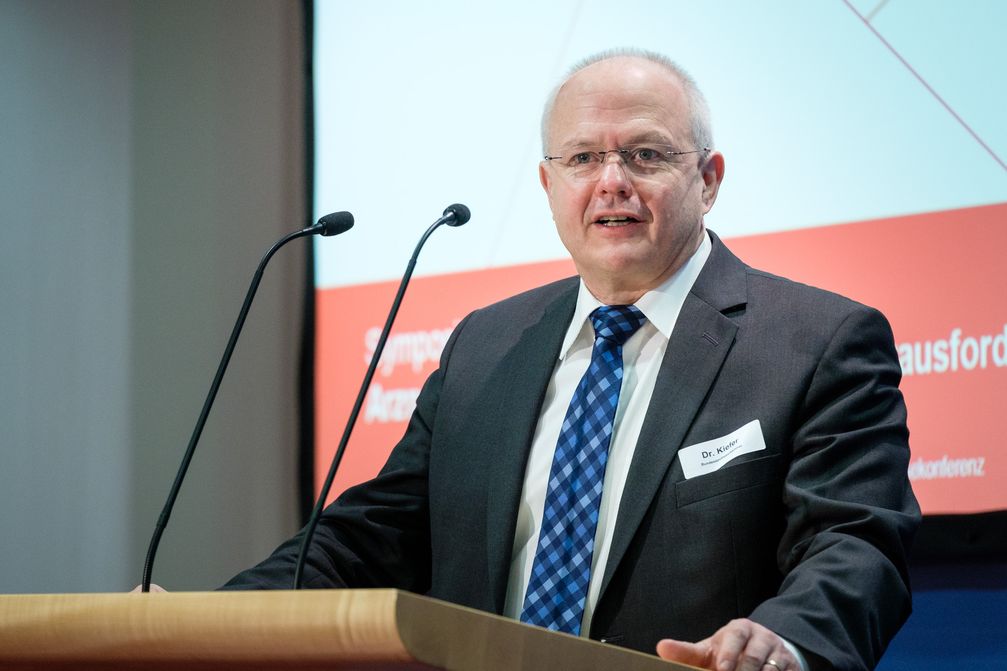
[(641, 160)]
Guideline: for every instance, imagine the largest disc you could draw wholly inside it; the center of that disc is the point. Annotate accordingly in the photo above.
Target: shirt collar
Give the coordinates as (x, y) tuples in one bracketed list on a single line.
[(661, 305)]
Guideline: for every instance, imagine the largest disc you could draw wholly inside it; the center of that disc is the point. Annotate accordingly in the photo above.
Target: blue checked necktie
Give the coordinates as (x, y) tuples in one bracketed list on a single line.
[(561, 572)]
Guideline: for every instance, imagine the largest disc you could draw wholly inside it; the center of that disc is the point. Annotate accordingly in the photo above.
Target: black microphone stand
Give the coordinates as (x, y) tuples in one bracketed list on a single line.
[(454, 215), (332, 224)]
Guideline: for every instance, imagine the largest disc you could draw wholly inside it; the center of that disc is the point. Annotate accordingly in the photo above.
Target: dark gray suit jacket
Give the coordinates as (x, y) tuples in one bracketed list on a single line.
[(808, 537)]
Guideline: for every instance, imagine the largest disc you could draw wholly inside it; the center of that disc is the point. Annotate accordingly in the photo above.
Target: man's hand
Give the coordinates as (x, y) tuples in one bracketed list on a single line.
[(740, 645)]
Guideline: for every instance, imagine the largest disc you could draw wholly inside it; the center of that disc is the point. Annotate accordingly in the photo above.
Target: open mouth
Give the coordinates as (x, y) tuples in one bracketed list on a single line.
[(614, 222)]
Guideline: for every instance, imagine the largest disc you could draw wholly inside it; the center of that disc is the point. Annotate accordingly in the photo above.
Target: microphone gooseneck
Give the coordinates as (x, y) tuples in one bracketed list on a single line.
[(454, 215), (330, 224)]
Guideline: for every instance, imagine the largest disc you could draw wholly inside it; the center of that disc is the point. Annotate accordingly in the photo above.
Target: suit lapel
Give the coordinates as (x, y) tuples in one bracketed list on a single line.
[(530, 363), (696, 351)]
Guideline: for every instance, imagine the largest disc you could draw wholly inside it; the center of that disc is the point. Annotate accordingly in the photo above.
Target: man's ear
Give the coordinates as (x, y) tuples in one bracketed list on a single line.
[(544, 178), (713, 174)]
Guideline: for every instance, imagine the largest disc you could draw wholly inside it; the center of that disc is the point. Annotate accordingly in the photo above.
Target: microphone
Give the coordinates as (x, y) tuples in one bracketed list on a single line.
[(330, 224), (454, 215), (334, 224)]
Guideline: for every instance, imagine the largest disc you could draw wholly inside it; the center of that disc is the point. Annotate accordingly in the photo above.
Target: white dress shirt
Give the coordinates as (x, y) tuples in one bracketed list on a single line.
[(642, 355)]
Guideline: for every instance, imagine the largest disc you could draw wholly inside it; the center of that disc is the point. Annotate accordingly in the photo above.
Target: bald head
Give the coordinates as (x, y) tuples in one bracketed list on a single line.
[(629, 223), (699, 113)]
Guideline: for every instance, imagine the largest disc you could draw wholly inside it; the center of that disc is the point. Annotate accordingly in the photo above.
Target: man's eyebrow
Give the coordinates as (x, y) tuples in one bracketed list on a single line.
[(651, 138), (574, 145), (641, 138)]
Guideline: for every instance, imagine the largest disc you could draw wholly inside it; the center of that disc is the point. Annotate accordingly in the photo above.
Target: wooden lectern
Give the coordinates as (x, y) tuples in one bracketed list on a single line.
[(314, 629)]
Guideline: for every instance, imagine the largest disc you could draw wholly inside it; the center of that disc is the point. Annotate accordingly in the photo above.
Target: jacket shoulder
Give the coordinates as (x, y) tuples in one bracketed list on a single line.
[(539, 297)]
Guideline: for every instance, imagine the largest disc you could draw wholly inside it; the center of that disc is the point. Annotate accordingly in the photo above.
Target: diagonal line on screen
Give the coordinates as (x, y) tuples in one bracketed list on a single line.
[(927, 86), (531, 153), (874, 12)]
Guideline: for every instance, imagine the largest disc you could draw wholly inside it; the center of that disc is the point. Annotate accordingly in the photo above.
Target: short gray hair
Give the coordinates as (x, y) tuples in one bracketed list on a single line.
[(699, 111)]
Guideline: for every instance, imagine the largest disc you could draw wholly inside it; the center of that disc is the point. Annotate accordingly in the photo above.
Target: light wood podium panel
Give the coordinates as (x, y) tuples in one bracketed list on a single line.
[(312, 629)]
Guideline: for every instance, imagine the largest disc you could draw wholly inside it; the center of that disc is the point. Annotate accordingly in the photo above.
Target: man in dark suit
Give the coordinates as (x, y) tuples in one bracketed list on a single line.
[(754, 507)]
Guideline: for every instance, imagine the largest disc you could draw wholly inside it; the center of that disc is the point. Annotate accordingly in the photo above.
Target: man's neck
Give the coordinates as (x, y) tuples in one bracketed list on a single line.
[(614, 290)]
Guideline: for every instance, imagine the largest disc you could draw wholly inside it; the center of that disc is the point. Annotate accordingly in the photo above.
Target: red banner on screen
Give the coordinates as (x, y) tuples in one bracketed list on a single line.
[(349, 320), (939, 277)]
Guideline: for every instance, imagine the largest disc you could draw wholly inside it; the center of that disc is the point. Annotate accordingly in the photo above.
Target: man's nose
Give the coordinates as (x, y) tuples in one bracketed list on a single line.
[(613, 176)]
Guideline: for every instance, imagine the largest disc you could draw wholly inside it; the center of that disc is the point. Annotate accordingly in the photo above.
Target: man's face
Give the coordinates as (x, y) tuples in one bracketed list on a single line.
[(627, 232)]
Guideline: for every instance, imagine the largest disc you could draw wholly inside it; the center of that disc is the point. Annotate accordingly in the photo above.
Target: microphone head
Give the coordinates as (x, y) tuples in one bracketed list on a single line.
[(336, 223), (460, 212)]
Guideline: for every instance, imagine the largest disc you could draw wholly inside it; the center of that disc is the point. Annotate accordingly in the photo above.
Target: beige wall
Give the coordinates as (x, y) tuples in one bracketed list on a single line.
[(149, 153)]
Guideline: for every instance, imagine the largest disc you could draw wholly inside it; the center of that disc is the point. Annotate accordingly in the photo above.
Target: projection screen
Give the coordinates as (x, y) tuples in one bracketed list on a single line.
[(864, 145)]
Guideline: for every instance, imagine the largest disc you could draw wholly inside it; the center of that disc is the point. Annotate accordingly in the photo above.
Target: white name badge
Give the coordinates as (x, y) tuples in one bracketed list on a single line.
[(709, 456)]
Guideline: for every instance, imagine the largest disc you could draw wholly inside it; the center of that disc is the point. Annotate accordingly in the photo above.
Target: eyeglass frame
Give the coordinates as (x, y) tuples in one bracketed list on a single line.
[(623, 153)]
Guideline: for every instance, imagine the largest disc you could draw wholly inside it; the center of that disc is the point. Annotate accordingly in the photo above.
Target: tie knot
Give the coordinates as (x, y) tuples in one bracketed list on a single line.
[(616, 323)]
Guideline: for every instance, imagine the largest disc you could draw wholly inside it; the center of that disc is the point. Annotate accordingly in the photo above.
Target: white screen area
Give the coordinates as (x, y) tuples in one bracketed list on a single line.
[(419, 105)]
